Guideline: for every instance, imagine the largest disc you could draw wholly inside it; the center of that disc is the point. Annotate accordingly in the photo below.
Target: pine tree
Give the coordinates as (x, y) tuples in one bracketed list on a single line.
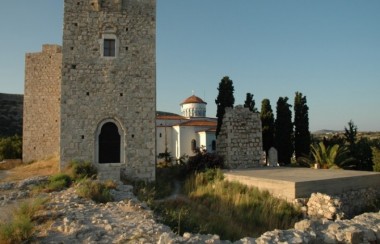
[(225, 99), (359, 149), (302, 138), (284, 131), (350, 134), (250, 103), (267, 122)]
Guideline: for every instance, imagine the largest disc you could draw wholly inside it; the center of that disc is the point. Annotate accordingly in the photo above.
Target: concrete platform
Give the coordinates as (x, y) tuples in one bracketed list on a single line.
[(291, 183)]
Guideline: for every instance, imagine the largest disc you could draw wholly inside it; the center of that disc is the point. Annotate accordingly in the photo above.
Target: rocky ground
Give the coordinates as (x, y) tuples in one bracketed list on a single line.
[(68, 218)]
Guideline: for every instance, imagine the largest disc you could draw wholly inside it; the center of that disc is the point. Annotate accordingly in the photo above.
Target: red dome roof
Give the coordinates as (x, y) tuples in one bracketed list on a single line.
[(193, 99)]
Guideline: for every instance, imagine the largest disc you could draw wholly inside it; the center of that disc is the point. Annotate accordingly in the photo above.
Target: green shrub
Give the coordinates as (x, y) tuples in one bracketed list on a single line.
[(177, 214), (56, 182), (110, 184), (20, 229), (80, 170), (30, 208), (21, 226), (145, 191), (10, 147), (204, 160), (376, 159), (94, 190)]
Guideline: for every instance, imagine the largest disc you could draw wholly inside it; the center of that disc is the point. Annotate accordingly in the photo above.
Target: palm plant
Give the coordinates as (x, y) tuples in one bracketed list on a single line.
[(334, 156)]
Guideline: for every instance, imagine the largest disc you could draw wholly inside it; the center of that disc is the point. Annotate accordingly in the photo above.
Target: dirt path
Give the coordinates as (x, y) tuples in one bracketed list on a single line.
[(175, 195), (3, 174)]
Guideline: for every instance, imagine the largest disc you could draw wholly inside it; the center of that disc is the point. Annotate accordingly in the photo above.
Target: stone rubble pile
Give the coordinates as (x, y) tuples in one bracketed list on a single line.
[(12, 191), (364, 228), (68, 218), (342, 206)]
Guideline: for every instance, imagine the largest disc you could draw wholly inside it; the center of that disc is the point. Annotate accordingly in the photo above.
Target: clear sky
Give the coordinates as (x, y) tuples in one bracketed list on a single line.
[(327, 49)]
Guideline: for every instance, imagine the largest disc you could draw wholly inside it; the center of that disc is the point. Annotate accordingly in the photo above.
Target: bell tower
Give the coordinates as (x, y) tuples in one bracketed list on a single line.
[(108, 88)]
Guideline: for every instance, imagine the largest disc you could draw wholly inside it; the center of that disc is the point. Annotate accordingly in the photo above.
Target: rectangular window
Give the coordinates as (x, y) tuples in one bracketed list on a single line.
[(109, 48)]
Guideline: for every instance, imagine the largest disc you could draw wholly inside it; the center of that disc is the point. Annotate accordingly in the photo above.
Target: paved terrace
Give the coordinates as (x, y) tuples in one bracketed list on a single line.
[(291, 183)]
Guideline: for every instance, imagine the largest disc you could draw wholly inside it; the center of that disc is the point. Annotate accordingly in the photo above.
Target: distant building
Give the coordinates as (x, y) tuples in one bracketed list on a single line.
[(183, 134)]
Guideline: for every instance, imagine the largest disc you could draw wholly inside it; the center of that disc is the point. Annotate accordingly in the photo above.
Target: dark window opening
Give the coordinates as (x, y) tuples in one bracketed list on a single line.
[(121, 94), (160, 135), (109, 48), (126, 48), (109, 144), (82, 136), (213, 145), (193, 145), (73, 66), (87, 93)]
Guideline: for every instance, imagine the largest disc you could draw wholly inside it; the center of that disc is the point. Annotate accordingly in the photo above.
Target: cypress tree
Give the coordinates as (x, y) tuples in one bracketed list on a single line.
[(250, 103), (225, 99), (267, 123), (284, 131), (302, 138)]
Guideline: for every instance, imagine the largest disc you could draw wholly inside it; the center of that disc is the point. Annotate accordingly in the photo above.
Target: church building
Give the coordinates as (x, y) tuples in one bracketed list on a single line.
[(184, 134)]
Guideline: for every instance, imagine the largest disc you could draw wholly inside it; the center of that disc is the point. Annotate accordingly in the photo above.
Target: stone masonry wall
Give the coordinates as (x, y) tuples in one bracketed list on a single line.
[(120, 89), (343, 206), (240, 138), (41, 103)]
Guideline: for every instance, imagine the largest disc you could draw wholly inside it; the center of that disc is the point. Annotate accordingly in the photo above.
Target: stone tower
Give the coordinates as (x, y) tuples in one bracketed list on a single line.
[(108, 91), (41, 104)]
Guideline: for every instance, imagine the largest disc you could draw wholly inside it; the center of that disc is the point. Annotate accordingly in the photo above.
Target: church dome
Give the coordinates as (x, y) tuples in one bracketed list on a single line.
[(193, 99), (193, 107)]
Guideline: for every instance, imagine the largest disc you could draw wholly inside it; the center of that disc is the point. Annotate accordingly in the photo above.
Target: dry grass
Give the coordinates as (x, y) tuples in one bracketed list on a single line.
[(40, 168), (20, 227), (10, 164)]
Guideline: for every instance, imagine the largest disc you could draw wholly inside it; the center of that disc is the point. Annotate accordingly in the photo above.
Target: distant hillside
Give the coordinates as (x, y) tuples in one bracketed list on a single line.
[(11, 114), (327, 131)]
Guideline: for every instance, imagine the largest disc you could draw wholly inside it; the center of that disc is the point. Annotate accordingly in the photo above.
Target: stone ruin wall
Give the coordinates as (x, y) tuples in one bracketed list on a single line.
[(121, 89), (341, 206), (240, 139), (41, 103)]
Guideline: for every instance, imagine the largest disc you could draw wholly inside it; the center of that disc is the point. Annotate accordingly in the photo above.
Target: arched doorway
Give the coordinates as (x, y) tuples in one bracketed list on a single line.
[(109, 142)]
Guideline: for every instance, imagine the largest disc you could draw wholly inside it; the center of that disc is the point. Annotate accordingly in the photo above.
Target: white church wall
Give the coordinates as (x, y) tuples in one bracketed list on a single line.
[(203, 140), (176, 141), (206, 139), (193, 110), (185, 136), (164, 139)]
